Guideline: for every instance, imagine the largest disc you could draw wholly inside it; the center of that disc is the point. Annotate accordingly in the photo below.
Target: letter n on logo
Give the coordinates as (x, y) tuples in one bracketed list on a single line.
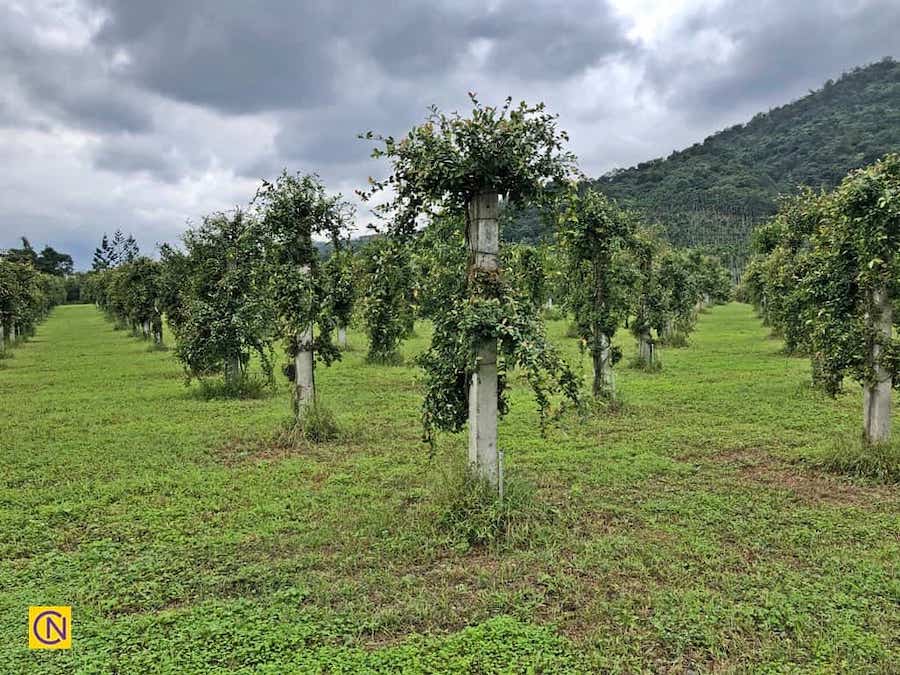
[(49, 627)]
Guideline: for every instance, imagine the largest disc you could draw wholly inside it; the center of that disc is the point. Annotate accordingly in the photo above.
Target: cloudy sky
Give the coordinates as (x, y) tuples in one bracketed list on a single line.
[(142, 115)]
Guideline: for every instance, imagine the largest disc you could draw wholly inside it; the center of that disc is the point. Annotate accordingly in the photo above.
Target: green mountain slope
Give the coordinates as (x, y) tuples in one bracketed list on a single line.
[(713, 192)]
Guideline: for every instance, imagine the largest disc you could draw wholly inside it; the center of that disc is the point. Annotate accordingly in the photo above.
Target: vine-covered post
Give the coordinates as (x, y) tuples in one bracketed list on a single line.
[(232, 367), (649, 302), (291, 211), (446, 172), (877, 391), (216, 306), (340, 276), (829, 278), (304, 367), (387, 307), (604, 378), (869, 203), (594, 238), (484, 240)]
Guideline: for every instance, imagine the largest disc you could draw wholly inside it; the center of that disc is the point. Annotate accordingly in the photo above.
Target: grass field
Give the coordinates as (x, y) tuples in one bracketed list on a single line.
[(685, 532)]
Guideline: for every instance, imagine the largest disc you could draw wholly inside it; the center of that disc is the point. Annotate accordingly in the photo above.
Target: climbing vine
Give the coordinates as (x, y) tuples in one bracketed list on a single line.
[(595, 238), (387, 308), (226, 314), (437, 169), (291, 211)]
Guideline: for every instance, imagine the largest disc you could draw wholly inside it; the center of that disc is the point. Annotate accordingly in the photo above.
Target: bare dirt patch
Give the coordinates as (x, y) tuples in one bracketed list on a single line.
[(806, 484)]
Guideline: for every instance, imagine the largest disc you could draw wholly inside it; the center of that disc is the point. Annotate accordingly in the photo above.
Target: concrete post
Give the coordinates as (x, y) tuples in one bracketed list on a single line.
[(646, 349), (604, 378), (304, 367), (342, 337), (484, 243), (877, 394), (232, 369)]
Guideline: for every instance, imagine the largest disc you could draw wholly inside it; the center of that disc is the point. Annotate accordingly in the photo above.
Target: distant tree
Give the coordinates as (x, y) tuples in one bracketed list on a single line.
[(103, 255), (129, 249), (51, 261), (25, 255), (48, 261), (113, 253)]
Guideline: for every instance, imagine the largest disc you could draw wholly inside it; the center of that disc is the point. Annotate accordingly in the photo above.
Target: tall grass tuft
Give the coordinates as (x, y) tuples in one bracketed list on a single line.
[(468, 512), (316, 424), (851, 457), (246, 387)]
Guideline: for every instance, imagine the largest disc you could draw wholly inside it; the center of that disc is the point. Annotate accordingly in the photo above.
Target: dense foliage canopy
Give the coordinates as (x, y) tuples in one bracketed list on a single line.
[(437, 170), (26, 297), (826, 275)]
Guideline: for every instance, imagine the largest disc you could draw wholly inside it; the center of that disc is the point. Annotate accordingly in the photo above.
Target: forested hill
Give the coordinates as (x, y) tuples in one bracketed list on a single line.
[(713, 191)]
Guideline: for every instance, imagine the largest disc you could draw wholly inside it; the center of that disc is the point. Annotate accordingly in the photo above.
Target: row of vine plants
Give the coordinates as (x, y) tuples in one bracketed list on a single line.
[(283, 269), (826, 277), (26, 297)]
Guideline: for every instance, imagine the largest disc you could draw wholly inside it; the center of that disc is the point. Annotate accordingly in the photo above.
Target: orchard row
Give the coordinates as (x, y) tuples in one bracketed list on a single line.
[(826, 276), (243, 280), (26, 297)]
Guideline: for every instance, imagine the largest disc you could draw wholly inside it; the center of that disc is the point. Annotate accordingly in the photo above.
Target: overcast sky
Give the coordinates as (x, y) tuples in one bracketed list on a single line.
[(143, 114)]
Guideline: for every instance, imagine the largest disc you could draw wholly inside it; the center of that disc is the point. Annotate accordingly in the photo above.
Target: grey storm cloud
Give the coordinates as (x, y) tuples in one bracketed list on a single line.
[(139, 154), (145, 114), (247, 57), (72, 86), (773, 50)]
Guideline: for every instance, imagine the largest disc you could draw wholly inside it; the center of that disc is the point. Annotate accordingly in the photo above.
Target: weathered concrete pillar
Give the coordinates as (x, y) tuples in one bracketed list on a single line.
[(484, 244), (877, 394), (646, 349), (342, 336), (232, 369), (304, 367), (604, 378)]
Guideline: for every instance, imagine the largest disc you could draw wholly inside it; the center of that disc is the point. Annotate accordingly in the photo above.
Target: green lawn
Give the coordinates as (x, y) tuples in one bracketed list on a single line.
[(684, 532)]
